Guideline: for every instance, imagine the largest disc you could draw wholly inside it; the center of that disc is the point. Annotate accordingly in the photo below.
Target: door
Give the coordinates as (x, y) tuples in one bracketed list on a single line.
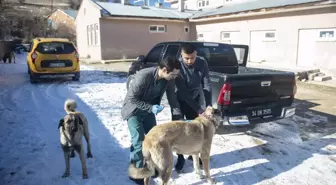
[(205, 36), (231, 37), (257, 52), (263, 46), (306, 48)]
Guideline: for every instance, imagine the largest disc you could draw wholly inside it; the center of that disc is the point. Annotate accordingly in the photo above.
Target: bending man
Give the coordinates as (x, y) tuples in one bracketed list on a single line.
[(142, 103)]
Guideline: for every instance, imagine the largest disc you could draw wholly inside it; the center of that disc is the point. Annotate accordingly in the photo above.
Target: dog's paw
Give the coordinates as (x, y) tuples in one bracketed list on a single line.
[(65, 175), (85, 176), (201, 176), (211, 181), (89, 155)]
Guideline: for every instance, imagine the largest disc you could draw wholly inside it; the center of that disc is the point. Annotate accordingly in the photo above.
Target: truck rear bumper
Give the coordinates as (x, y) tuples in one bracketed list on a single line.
[(243, 119)]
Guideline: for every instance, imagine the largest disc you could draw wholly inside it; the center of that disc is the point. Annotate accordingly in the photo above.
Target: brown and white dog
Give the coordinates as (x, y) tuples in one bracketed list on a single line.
[(72, 128), (190, 138)]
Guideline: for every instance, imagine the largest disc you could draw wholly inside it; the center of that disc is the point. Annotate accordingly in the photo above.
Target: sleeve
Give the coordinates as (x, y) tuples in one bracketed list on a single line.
[(137, 87), (207, 85), (172, 100), (184, 93)]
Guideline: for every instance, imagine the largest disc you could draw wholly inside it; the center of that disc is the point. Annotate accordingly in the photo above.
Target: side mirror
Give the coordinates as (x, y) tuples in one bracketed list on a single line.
[(141, 59)]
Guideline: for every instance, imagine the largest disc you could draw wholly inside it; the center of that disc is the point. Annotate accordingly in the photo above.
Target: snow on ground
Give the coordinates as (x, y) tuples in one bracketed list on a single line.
[(30, 153)]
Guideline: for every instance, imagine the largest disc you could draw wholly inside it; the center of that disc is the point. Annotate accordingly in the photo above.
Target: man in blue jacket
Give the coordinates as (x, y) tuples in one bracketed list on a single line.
[(142, 103), (193, 89)]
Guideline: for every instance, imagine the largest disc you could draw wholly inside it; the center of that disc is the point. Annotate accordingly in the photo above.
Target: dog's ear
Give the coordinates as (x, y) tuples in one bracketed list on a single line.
[(61, 123)]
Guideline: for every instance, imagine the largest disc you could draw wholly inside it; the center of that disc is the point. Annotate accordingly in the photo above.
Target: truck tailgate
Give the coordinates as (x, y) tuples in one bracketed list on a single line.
[(255, 90)]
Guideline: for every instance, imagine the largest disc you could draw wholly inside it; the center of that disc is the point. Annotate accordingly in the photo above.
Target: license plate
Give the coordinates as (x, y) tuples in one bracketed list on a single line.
[(261, 112), (56, 65)]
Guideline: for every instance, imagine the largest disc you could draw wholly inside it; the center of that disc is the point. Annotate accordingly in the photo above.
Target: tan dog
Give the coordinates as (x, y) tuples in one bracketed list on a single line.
[(72, 128), (190, 138)]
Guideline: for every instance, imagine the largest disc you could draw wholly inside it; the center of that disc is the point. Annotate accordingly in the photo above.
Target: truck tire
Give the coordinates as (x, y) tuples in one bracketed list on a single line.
[(129, 81)]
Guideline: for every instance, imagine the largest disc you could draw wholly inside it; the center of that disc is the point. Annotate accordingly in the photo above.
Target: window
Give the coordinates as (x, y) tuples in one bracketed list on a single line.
[(326, 35), (154, 55), (172, 50), (157, 28), (96, 34), (225, 35), (186, 29), (269, 36), (203, 3), (217, 54), (88, 35), (55, 48), (91, 34)]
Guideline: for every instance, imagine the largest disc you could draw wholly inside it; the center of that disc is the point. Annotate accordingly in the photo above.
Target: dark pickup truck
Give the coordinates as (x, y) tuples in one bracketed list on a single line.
[(243, 95)]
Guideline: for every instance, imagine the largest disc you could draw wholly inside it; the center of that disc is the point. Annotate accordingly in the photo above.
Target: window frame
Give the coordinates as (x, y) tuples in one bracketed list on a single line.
[(157, 28), (269, 39), (326, 39)]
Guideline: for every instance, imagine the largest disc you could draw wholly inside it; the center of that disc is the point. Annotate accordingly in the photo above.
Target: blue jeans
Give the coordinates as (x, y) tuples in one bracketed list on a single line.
[(139, 125)]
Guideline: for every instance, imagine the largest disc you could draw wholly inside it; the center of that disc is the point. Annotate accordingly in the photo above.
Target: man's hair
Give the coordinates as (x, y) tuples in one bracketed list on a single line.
[(170, 63), (188, 48)]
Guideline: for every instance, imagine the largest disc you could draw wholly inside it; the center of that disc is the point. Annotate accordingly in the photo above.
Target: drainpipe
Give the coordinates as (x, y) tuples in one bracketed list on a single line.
[(181, 5)]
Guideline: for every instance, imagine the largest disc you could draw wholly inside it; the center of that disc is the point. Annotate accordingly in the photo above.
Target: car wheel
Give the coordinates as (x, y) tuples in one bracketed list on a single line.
[(129, 81), (32, 79), (76, 77)]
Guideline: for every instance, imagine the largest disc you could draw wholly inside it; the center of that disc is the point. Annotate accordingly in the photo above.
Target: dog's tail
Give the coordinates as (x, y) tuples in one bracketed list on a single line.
[(70, 106), (145, 172)]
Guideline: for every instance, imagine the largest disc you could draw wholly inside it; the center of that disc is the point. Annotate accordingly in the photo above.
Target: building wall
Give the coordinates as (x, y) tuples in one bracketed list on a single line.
[(284, 48), (88, 15), (131, 38)]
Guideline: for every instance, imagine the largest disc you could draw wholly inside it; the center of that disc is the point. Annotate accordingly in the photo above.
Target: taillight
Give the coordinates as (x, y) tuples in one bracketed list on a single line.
[(77, 56), (224, 95), (294, 88), (34, 56)]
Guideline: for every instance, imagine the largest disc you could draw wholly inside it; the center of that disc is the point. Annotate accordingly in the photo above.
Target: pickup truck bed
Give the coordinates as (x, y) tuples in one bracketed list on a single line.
[(243, 95)]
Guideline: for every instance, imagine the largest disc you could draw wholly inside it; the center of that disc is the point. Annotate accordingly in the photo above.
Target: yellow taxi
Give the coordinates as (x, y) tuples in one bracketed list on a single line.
[(52, 57)]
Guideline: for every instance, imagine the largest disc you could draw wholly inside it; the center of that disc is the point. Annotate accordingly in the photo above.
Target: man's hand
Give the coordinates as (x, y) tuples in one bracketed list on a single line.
[(157, 109)]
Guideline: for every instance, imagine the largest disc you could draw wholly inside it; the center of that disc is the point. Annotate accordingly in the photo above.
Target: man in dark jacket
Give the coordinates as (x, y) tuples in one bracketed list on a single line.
[(193, 89), (142, 103)]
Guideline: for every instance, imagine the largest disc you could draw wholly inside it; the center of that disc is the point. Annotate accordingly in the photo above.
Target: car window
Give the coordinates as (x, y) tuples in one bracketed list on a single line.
[(154, 55), (172, 50), (55, 48), (217, 54)]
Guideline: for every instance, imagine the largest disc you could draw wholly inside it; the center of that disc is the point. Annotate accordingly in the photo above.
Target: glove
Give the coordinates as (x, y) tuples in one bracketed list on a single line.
[(157, 109)]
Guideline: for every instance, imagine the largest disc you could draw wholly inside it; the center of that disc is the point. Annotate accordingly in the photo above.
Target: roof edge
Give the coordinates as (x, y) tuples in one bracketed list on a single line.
[(145, 18), (274, 10)]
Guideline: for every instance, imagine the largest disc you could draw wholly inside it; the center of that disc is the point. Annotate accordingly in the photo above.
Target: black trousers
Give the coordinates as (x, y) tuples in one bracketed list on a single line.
[(187, 111)]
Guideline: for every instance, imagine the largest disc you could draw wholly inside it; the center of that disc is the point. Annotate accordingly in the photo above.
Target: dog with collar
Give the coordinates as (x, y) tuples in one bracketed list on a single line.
[(190, 138), (72, 128)]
